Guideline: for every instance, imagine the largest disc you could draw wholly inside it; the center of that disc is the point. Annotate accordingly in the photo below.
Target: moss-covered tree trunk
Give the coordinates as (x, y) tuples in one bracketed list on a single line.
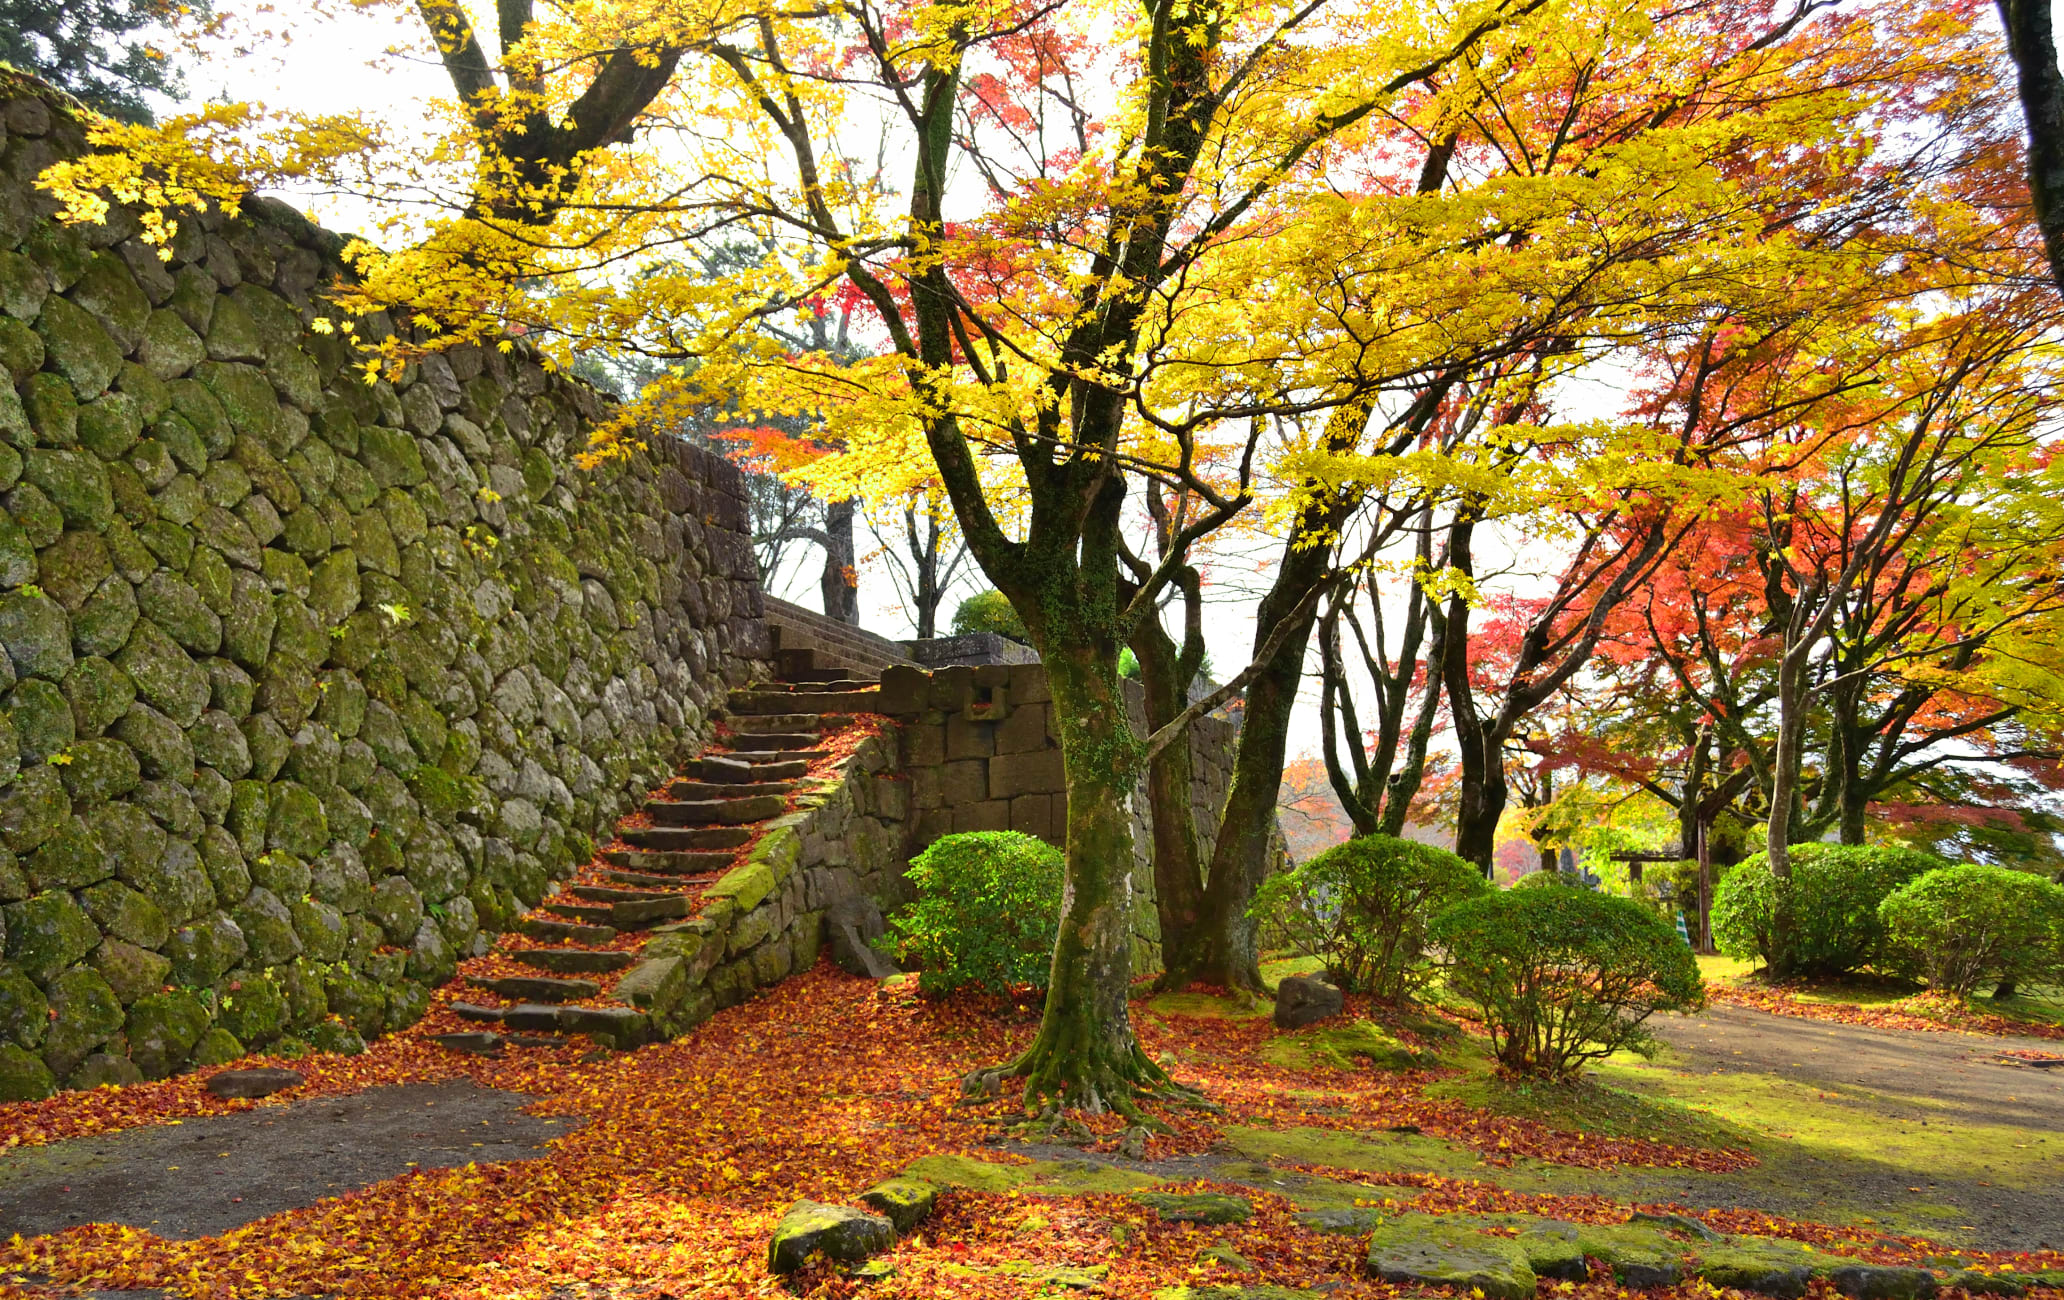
[(1086, 1054)]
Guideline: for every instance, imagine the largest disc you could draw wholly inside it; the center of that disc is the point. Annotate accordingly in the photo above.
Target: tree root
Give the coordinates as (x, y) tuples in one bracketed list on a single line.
[(1095, 1083)]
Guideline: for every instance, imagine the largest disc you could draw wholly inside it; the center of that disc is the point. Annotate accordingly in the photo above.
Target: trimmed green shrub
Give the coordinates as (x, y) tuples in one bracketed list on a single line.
[(990, 611), (1832, 898), (1564, 976), (1546, 880), (1362, 908), (987, 912), (1962, 927)]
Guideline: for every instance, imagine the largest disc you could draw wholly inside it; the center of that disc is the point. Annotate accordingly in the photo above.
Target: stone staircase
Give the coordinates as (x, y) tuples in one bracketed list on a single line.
[(571, 967)]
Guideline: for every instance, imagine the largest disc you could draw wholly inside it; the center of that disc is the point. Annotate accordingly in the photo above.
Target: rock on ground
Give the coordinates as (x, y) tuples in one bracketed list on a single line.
[(837, 1232), (1305, 1000)]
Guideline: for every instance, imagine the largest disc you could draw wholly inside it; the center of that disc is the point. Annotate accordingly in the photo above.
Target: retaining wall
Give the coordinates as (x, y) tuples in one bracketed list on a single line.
[(307, 683)]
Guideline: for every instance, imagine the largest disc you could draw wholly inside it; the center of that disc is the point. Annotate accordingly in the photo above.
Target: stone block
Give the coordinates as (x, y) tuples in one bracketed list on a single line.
[(989, 815), (964, 782), (922, 745), (1032, 814), (1040, 772), (1023, 731), (1028, 684), (968, 738)]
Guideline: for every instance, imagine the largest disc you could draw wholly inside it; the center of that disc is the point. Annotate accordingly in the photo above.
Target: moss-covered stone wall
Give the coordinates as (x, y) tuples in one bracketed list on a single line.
[(308, 684)]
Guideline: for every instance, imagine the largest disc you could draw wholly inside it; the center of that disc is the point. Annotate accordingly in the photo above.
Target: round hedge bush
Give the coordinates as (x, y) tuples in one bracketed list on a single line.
[(990, 611), (1966, 926), (1363, 907), (1833, 898), (987, 912), (1564, 976)]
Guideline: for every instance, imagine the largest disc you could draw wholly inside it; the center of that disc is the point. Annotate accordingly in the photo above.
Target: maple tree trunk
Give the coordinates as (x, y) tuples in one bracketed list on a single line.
[(1178, 858), (2032, 42), (840, 585), (1226, 951), (1085, 1054)]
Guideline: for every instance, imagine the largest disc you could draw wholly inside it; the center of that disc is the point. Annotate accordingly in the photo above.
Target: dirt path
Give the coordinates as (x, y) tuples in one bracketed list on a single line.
[(1964, 1073), (206, 1176)]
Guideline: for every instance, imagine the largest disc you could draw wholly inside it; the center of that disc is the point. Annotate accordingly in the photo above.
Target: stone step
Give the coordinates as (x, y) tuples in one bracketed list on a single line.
[(791, 762), (607, 894), (538, 927), (474, 1011), (585, 913), (638, 878), (688, 837), (692, 790), (720, 769), (669, 862), (574, 961), (813, 701), (643, 913), (537, 988), (621, 1027), (755, 724), (715, 812), (476, 1042), (759, 741)]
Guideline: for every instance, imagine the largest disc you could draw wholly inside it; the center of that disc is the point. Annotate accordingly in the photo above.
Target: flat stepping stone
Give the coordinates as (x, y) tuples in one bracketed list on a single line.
[(261, 1082), (534, 1040), (716, 812), (837, 1232), (533, 1018), (622, 1028), (1769, 1266), (692, 791), (1883, 1282), (1640, 1257), (476, 1043), (689, 837), (474, 1011), (565, 931), (1421, 1249), (670, 862), (904, 1202), (575, 961), (1199, 1207), (537, 988)]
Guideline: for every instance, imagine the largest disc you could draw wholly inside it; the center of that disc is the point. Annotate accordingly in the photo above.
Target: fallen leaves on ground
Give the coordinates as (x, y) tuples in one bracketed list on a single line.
[(1923, 1012), (687, 1152)]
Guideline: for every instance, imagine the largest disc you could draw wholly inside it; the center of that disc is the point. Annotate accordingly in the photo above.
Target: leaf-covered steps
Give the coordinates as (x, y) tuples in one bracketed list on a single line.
[(687, 852)]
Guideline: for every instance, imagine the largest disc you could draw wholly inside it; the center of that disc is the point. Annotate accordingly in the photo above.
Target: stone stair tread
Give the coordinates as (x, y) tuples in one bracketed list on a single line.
[(638, 914), (612, 894), (715, 812), (754, 724), (669, 862), (537, 988), (781, 757), (534, 1040), (783, 740), (585, 913), (571, 961), (474, 1011), (637, 878), (478, 1042), (857, 701), (679, 791), (689, 837), (565, 931)]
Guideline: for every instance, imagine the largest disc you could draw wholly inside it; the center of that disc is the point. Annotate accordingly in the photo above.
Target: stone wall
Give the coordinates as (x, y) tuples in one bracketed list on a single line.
[(981, 752), (308, 684)]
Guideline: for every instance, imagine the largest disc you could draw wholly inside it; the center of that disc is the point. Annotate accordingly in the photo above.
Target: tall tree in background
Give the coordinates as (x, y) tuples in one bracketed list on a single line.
[(106, 52), (2032, 43)]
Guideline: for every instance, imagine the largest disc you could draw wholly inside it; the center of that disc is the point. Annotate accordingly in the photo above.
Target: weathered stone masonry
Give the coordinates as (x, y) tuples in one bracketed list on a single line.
[(307, 683)]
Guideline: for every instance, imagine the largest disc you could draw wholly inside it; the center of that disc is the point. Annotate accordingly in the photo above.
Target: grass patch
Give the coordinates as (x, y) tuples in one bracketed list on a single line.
[(1587, 1105), (1340, 1047), (1781, 1120)]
